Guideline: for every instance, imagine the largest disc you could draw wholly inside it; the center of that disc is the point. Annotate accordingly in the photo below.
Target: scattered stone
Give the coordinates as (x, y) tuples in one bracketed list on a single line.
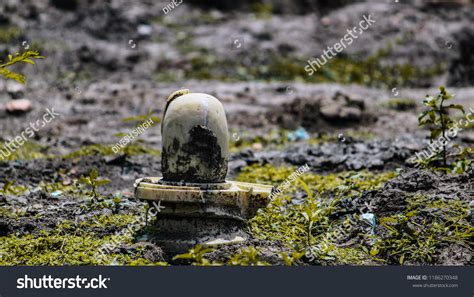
[(118, 159), (17, 200), (15, 89), (18, 107), (342, 108), (65, 4), (314, 112), (144, 30)]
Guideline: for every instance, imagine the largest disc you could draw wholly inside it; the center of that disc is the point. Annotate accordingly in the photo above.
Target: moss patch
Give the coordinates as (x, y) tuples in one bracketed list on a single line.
[(76, 244)]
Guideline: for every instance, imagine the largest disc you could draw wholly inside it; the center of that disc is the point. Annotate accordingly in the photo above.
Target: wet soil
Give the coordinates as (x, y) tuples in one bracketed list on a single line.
[(102, 66)]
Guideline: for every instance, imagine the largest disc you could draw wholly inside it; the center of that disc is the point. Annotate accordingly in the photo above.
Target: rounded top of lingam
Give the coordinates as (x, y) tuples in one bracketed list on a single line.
[(195, 139)]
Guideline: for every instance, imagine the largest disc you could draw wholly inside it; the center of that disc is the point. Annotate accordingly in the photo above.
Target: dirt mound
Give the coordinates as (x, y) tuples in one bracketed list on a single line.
[(418, 35), (392, 198), (318, 111), (344, 155)]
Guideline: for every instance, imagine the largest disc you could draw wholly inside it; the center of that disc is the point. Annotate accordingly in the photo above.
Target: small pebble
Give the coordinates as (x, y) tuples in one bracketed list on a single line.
[(20, 106), (144, 30)]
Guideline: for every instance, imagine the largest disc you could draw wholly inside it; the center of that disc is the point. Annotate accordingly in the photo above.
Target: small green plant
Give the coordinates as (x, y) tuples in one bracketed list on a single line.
[(116, 200), (310, 212), (196, 256), (247, 257), (428, 224), (314, 221), (25, 57), (437, 117), (93, 182), (292, 259)]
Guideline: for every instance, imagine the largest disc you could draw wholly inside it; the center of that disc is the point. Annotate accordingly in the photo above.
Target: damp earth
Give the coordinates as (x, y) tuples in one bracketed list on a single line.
[(108, 68)]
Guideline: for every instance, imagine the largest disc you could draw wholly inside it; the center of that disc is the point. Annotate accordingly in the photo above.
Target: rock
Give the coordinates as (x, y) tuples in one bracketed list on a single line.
[(314, 112), (144, 30), (118, 159), (17, 200), (65, 4), (342, 108), (236, 166), (18, 107), (4, 229), (15, 89)]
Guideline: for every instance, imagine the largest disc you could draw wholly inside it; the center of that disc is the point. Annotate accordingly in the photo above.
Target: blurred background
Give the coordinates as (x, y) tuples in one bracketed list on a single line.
[(106, 60)]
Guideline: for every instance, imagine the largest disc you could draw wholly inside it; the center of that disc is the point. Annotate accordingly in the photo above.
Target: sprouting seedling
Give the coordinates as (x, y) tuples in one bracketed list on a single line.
[(25, 57), (93, 181), (309, 212), (438, 117), (116, 200), (196, 256), (247, 257)]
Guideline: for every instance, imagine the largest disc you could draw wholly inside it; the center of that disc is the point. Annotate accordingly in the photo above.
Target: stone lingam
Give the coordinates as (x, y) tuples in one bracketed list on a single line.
[(200, 205)]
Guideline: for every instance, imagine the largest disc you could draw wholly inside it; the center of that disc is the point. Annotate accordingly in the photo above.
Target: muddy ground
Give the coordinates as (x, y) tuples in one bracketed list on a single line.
[(107, 61)]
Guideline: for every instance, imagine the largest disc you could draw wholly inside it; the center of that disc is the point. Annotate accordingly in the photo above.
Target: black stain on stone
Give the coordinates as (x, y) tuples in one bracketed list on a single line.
[(203, 146)]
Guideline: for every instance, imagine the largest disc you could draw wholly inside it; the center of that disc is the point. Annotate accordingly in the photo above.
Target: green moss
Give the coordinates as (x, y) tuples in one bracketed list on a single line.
[(31, 150), (108, 221), (58, 186), (371, 71), (278, 138), (9, 33), (105, 150), (262, 10), (346, 181), (28, 151), (401, 104), (90, 150), (13, 213), (75, 244)]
